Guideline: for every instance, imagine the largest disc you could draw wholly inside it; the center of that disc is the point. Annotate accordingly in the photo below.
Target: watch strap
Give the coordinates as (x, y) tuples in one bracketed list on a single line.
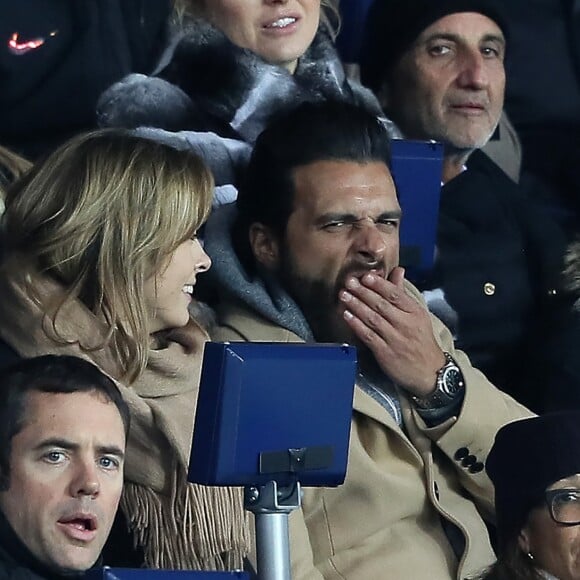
[(442, 395)]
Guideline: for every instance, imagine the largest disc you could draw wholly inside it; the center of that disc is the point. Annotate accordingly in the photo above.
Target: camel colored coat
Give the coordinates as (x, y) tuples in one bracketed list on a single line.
[(385, 520)]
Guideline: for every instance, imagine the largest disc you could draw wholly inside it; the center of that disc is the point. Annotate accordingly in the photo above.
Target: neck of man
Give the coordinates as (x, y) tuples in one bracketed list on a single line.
[(454, 162), (14, 552)]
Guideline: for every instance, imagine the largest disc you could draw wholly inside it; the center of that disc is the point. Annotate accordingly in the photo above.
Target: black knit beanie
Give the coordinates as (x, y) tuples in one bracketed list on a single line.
[(526, 458), (393, 25)]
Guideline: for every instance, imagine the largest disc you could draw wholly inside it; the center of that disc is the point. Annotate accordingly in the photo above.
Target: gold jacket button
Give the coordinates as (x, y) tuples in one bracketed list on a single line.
[(489, 289)]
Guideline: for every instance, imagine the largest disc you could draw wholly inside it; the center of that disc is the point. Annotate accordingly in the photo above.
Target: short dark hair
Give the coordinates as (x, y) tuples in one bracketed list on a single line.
[(311, 132), (47, 374)]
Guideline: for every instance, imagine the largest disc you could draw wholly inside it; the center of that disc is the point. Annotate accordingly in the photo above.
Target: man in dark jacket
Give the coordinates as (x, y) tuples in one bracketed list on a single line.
[(439, 68), (62, 442)]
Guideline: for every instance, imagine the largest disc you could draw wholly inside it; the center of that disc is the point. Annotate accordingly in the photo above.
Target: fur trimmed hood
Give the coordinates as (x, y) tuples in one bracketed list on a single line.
[(210, 84)]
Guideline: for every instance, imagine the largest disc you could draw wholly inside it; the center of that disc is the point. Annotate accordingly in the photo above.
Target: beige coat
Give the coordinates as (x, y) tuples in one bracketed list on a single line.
[(156, 497), (385, 520)]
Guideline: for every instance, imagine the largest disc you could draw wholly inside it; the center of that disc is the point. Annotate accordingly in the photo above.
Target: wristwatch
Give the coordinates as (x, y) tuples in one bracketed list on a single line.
[(449, 386)]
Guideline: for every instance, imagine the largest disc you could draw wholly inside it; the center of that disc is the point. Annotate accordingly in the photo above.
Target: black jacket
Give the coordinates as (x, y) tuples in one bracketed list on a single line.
[(18, 563), (564, 366), (497, 276)]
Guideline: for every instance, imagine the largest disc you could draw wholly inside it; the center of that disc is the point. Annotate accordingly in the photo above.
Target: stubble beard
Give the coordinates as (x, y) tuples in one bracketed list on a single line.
[(318, 300)]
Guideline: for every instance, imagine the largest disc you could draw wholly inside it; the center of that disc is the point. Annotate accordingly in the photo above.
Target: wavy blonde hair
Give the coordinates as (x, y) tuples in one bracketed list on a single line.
[(330, 14), (101, 215)]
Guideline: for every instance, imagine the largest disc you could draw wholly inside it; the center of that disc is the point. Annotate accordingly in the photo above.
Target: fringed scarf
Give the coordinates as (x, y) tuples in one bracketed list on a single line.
[(178, 524)]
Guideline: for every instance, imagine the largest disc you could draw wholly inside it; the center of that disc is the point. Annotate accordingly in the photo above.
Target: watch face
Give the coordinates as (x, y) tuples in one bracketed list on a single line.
[(452, 380)]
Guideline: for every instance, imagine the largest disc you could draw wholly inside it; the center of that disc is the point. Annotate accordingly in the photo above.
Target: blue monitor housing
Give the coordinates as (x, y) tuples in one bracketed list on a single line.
[(417, 170), (273, 412)]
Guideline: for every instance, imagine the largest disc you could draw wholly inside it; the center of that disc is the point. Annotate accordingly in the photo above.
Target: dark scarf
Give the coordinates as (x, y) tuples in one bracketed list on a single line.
[(262, 294)]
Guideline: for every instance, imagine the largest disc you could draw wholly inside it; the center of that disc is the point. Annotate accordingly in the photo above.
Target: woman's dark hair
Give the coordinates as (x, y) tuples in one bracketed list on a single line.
[(47, 374), (311, 132), (512, 563)]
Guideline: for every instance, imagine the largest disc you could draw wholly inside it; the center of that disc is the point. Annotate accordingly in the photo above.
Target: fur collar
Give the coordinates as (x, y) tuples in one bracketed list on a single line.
[(228, 81), (210, 84)]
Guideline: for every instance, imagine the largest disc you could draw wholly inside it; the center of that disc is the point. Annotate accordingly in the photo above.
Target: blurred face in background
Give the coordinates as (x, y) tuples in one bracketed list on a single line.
[(449, 86), (554, 546), (279, 31)]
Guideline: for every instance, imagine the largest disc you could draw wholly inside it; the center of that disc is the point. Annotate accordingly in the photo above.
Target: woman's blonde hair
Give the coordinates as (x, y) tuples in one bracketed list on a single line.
[(329, 15), (101, 215)]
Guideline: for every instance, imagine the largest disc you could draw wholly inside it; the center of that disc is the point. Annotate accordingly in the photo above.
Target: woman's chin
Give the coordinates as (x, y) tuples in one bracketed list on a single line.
[(284, 52), (176, 320)]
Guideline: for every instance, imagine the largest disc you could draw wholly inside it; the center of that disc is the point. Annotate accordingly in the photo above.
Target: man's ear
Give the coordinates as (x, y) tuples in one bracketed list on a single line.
[(265, 245)]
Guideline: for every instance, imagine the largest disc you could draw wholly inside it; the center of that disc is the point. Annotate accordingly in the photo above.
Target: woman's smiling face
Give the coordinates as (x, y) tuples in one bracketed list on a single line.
[(168, 292)]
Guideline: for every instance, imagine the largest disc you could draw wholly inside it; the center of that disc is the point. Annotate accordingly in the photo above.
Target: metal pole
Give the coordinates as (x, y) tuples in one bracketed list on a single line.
[(273, 546), (271, 507)]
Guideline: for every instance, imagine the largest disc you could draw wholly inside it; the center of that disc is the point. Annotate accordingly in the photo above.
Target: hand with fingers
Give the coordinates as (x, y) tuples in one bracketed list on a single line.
[(396, 329)]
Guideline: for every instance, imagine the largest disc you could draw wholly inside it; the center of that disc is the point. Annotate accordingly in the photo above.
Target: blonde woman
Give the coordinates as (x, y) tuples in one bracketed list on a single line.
[(101, 261), (239, 64)]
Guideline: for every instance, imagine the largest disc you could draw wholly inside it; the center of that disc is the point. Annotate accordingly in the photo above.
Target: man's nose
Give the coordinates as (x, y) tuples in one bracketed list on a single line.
[(85, 480), (369, 242), (473, 73)]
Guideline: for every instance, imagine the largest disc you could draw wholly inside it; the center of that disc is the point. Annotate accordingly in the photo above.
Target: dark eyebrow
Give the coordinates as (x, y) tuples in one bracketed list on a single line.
[(57, 442), (111, 450), (494, 38), (394, 214), (70, 446), (442, 36), (335, 217), (351, 218), (457, 38)]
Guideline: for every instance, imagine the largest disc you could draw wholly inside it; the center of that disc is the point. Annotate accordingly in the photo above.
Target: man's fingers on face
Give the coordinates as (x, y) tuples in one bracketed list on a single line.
[(369, 308), (362, 301), (397, 276), (373, 289), (366, 334)]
